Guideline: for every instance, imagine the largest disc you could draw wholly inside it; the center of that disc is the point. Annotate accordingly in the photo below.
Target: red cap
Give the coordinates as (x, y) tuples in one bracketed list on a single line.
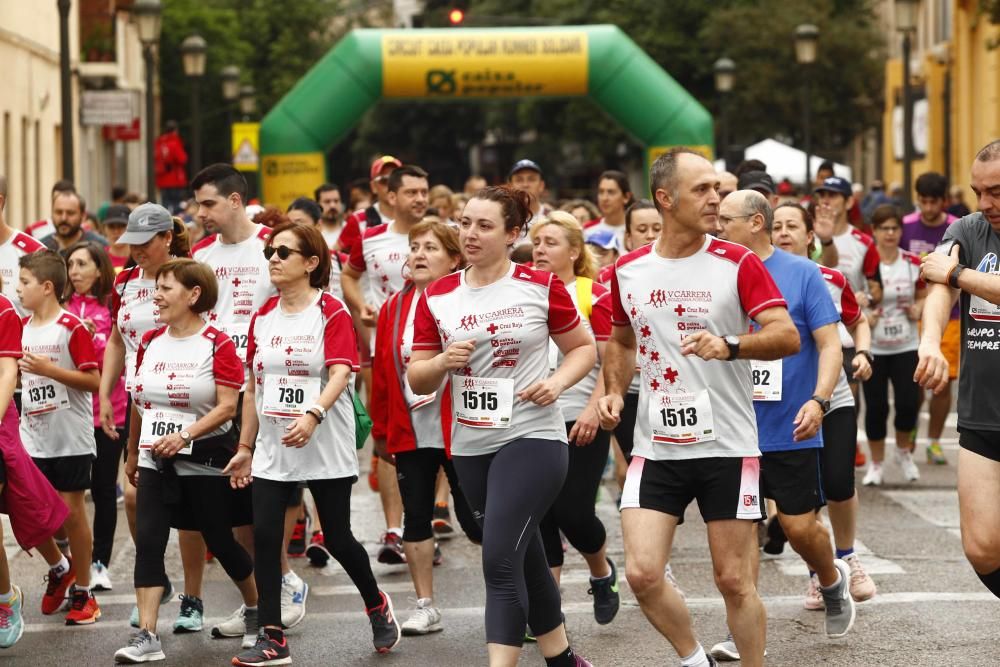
[(381, 163)]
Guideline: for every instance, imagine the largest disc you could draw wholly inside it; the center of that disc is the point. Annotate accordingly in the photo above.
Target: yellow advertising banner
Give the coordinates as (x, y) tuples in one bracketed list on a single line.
[(654, 152), (286, 177), (246, 146), (484, 64)]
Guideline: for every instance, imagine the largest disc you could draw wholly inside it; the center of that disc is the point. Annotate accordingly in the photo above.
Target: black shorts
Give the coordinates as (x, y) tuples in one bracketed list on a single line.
[(984, 443), (67, 473), (792, 480), (237, 503), (725, 488)]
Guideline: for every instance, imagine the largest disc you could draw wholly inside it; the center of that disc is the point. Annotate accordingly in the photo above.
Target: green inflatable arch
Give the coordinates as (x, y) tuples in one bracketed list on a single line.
[(467, 63)]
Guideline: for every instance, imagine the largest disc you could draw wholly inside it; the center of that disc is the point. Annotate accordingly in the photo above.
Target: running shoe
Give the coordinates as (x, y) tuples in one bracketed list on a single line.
[(606, 599), (839, 603), (317, 552), (776, 540), (11, 619), (391, 552), (119, 494), (385, 628), (425, 620), (904, 458), (297, 543), (142, 647), (862, 586), (668, 574), (100, 578), (83, 608), (935, 455), (209, 556), (56, 589), (726, 651), (583, 662), (241, 623), (859, 457), (373, 475), (438, 556), (191, 616), (814, 599), (874, 475), (165, 597), (442, 521), (265, 651), (294, 592)]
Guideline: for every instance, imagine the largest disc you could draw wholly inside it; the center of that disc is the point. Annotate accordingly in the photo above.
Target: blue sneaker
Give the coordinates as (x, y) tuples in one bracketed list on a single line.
[(168, 594), (11, 620), (191, 615)]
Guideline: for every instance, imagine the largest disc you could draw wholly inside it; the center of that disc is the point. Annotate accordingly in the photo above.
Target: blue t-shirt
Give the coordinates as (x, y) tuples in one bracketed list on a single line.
[(811, 307)]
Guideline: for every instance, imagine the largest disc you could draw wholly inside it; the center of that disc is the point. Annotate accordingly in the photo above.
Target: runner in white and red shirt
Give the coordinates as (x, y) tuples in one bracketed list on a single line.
[(858, 256), (614, 196), (381, 212), (301, 357), (681, 308), (13, 245), (488, 327)]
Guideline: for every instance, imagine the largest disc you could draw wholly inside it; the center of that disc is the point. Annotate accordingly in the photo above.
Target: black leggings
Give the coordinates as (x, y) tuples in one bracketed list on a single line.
[(573, 510), (625, 431), (333, 504), (417, 472), (509, 492), (898, 369), (210, 498), (103, 483), (840, 439)]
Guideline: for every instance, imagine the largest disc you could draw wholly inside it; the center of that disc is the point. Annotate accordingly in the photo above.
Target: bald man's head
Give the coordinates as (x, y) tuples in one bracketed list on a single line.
[(728, 183)]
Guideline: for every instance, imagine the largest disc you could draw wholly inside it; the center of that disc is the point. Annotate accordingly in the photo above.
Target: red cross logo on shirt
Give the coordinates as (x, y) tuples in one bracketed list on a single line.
[(289, 350), (654, 384), (131, 334), (644, 332), (237, 282), (138, 389), (633, 312), (680, 310), (212, 317), (654, 356), (260, 367), (126, 317), (671, 375), (492, 328), (406, 360), (147, 406), (642, 350), (172, 376)]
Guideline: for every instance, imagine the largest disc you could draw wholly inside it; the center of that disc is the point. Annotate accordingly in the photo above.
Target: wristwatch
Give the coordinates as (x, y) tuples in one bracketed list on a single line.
[(824, 404), (953, 276), (734, 346), (868, 355), (186, 437)]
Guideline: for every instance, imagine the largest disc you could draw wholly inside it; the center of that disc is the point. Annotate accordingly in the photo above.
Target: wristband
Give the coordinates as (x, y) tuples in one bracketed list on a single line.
[(248, 447), (313, 412), (953, 276), (868, 355)]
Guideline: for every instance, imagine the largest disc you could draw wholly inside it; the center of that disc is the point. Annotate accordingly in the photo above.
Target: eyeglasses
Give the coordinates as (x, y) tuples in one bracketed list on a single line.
[(283, 252), (726, 219)]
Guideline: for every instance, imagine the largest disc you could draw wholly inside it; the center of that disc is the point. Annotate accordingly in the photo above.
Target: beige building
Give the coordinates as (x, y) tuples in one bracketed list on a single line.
[(105, 53)]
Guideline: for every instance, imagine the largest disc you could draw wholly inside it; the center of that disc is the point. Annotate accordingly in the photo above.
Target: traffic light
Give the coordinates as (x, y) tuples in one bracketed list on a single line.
[(456, 15)]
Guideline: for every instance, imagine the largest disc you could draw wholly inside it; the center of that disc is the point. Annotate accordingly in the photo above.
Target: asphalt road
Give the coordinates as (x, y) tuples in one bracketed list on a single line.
[(930, 608)]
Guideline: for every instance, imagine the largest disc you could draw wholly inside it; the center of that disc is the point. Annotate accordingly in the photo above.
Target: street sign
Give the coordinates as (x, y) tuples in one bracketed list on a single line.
[(246, 146), (107, 107)]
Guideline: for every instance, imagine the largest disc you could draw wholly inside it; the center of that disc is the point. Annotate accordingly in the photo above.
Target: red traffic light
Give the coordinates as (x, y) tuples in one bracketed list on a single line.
[(456, 16)]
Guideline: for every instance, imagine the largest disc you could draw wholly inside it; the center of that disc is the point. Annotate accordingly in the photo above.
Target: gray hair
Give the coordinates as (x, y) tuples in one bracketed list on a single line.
[(663, 173), (754, 203), (989, 152)]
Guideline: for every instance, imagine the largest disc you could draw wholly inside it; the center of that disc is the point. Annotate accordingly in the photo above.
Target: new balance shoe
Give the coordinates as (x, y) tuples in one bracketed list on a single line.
[(385, 628), (269, 649), (165, 597), (606, 598), (904, 458), (391, 552), (56, 589), (425, 620), (100, 578), (935, 455), (142, 647), (83, 608), (317, 552), (294, 592), (441, 524), (862, 586), (873, 477), (11, 619), (814, 599), (191, 616), (839, 603), (726, 651)]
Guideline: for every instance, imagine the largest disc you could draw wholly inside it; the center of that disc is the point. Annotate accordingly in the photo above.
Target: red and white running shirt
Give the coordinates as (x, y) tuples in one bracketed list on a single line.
[(244, 282), (178, 376), (511, 321), (41, 228), (290, 354), (690, 408), (850, 312), (895, 332), (15, 247), (382, 253), (858, 258), (573, 401), (57, 420)]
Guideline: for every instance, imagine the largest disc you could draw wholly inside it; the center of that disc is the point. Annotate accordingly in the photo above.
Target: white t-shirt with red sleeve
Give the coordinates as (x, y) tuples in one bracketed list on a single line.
[(134, 313), (382, 254), (858, 258), (11, 250), (511, 321), (850, 312), (180, 375), (57, 420), (690, 408), (290, 355), (895, 332), (244, 282), (573, 401)]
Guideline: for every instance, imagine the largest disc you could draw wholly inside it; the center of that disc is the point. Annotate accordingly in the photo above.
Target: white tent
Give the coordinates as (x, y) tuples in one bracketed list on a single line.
[(784, 161)]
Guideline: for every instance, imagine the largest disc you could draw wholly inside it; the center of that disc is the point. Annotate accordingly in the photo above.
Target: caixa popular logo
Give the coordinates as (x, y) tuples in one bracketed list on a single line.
[(988, 264), (749, 500), (468, 322)]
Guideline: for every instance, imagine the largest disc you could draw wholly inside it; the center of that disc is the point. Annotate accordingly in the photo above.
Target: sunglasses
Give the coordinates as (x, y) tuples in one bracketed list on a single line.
[(283, 252)]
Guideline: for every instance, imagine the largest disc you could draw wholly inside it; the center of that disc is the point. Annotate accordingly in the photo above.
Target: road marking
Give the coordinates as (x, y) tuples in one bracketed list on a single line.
[(935, 506)]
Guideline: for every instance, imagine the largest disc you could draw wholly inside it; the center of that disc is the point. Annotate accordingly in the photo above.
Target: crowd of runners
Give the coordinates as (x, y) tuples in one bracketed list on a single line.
[(221, 368)]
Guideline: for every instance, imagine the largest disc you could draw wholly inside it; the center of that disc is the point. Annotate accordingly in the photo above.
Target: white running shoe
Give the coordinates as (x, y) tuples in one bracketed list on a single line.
[(814, 598), (141, 647), (233, 626), (874, 475), (294, 592), (726, 651), (100, 578), (862, 586), (904, 458), (425, 620)]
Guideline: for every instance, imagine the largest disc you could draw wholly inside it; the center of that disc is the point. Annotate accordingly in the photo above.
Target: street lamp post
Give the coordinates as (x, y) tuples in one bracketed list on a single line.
[(906, 23), (193, 53), (725, 78), (230, 76), (65, 91), (806, 38), (147, 18), (248, 101)]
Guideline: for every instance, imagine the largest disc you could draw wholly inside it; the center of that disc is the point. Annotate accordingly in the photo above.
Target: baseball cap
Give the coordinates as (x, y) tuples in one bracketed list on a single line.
[(756, 180), (604, 238), (381, 163), (521, 165), (117, 214), (841, 186), (145, 222)]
